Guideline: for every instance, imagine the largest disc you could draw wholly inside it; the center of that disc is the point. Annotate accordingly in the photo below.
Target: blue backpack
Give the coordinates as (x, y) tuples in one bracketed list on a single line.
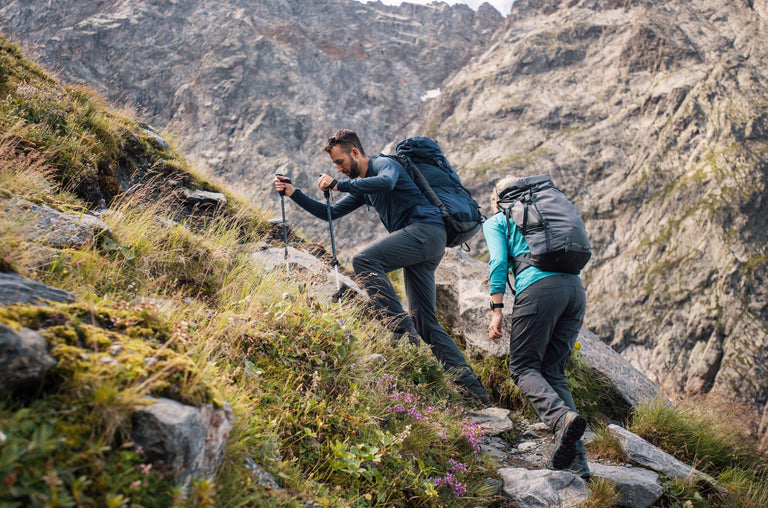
[(424, 161)]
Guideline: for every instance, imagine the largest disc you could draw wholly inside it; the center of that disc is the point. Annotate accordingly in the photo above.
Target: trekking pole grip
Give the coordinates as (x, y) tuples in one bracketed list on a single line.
[(283, 179)]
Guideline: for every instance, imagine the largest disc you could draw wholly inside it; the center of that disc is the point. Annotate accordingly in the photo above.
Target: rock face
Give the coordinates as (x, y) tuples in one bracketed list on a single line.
[(652, 118)]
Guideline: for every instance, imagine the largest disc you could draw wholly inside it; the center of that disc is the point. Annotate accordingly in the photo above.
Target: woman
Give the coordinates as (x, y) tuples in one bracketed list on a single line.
[(546, 319)]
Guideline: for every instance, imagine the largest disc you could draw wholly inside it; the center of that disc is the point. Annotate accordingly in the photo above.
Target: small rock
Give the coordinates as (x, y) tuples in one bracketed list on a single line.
[(260, 476), (16, 289), (493, 420), (376, 359), (493, 486), (158, 140), (204, 198), (24, 358), (531, 434)]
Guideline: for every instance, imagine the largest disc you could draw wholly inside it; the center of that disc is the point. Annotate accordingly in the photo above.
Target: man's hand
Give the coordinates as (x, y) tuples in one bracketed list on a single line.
[(326, 182), (282, 184), (494, 330)]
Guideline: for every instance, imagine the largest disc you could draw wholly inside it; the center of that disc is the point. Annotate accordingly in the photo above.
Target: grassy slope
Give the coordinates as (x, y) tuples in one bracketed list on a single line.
[(196, 321), (312, 404)]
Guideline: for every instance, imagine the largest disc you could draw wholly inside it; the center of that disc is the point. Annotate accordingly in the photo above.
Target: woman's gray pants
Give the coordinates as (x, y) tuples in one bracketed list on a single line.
[(546, 321)]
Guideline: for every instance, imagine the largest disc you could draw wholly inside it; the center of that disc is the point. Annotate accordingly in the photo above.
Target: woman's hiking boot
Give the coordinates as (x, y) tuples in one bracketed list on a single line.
[(580, 467), (568, 430)]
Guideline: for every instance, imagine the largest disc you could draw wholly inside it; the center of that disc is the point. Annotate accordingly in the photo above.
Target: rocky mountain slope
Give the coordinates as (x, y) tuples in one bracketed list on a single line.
[(162, 346), (652, 117), (255, 87)]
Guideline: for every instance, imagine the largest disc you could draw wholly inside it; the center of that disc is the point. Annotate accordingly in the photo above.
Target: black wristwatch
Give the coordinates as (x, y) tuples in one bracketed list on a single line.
[(496, 305)]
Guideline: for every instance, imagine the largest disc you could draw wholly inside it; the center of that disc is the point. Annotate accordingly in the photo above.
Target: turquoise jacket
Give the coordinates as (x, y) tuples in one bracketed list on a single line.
[(502, 249)]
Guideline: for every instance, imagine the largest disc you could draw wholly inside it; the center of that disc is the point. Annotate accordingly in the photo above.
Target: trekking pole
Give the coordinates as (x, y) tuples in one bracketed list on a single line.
[(333, 244), (285, 232)]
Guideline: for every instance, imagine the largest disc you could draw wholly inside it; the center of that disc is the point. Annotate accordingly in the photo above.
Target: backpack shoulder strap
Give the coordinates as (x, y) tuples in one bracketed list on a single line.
[(422, 183), (523, 261)]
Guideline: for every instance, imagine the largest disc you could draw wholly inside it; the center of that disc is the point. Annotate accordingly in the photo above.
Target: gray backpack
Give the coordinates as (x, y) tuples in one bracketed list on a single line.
[(550, 223)]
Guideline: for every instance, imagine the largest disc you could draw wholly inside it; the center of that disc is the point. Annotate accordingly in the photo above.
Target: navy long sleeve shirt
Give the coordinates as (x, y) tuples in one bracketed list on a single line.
[(386, 187)]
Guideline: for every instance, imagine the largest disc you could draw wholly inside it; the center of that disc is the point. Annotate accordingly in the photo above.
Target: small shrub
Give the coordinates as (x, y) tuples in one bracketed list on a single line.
[(603, 494)]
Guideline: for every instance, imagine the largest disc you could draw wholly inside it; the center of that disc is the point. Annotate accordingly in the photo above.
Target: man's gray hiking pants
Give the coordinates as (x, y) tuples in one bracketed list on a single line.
[(417, 249), (546, 321)]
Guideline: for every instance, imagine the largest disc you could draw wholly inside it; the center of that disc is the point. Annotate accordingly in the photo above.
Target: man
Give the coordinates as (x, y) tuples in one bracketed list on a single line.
[(548, 313), (415, 243)]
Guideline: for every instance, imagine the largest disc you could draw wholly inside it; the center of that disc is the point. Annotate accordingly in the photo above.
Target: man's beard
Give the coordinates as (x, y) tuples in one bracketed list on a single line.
[(354, 168)]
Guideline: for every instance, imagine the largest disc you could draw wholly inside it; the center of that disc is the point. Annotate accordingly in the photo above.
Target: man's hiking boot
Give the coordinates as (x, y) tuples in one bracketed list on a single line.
[(568, 430), (405, 337), (579, 467), (473, 391)]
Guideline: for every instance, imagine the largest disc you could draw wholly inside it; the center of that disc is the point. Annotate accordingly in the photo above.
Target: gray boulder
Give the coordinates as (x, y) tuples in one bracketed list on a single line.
[(24, 358), (641, 452), (315, 276), (260, 476), (638, 487), (492, 420), (44, 225), (543, 488), (190, 440), (201, 198), (463, 296), (156, 138), (630, 383), (16, 289)]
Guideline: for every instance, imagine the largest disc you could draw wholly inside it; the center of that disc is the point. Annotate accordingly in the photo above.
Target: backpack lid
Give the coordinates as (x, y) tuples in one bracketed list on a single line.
[(517, 187), (419, 146)]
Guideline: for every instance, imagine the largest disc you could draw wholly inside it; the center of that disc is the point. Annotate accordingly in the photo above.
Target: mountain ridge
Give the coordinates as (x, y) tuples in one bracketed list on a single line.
[(657, 131)]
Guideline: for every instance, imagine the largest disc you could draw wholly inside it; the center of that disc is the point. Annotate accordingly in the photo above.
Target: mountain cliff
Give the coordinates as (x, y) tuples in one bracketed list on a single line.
[(254, 88), (652, 116)]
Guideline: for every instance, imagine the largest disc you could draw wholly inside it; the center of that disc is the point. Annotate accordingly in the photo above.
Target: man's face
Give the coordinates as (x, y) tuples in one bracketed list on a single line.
[(345, 162)]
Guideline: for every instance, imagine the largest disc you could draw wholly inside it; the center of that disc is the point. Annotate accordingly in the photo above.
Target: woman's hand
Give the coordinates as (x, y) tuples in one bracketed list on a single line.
[(494, 330)]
